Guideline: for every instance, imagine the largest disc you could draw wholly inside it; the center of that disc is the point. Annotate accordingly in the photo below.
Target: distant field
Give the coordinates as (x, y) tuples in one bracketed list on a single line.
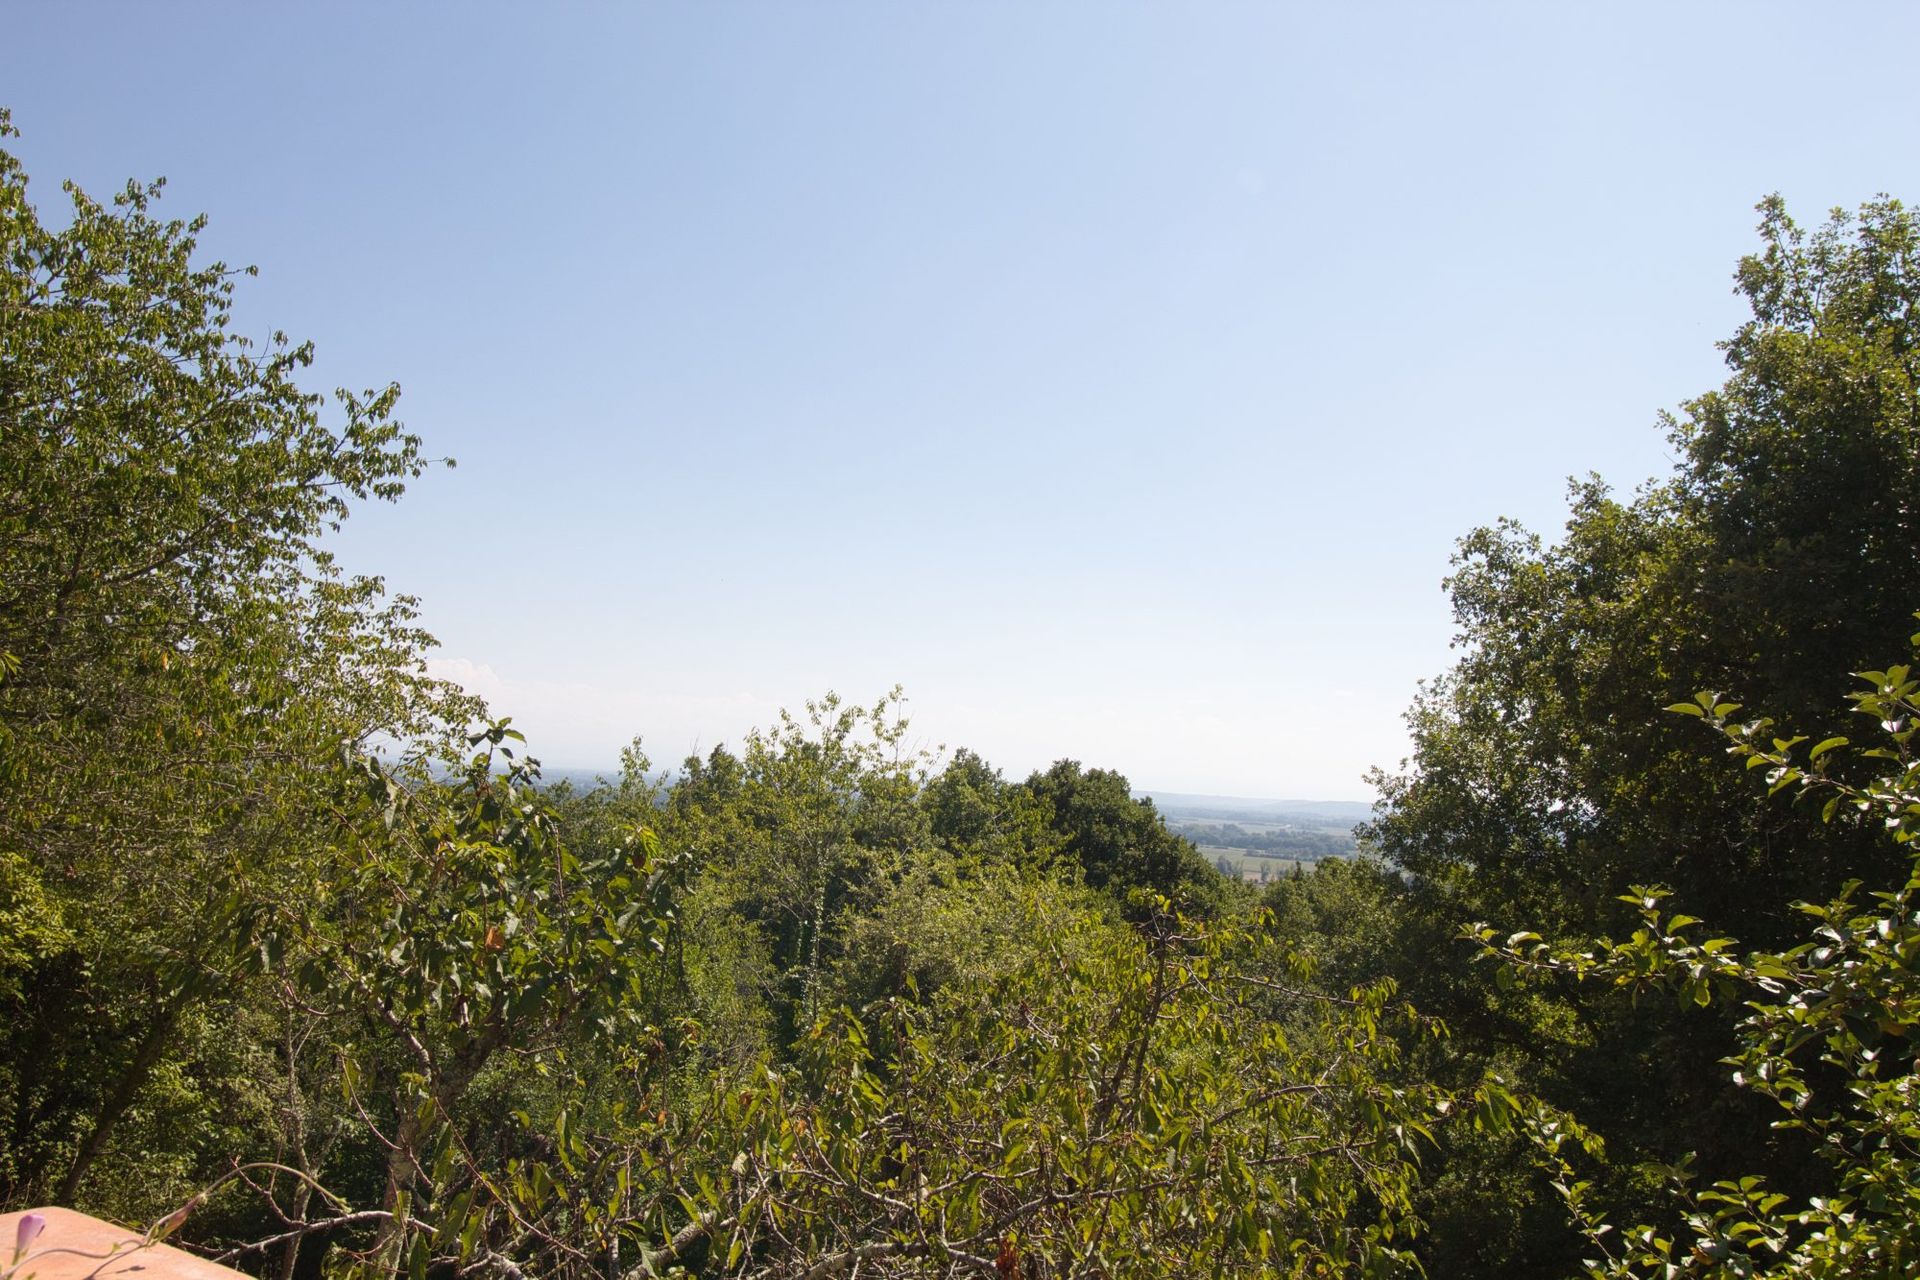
[(1263, 838), (1242, 862)]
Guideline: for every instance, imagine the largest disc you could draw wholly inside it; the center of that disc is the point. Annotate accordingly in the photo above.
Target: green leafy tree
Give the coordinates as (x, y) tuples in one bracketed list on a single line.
[(1829, 1036), (1770, 561), (1543, 781), (1120, 844), (801, 831), (1122, 1101), (983, 819), (450, 928), (942, 924), (182, 663)]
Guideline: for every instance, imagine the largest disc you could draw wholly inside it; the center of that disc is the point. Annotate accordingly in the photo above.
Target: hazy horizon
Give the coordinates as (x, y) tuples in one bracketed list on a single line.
[(553, 771)]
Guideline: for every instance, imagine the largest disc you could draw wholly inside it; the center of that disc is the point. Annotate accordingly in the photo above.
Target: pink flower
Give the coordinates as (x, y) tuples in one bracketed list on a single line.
[(28, 1230)]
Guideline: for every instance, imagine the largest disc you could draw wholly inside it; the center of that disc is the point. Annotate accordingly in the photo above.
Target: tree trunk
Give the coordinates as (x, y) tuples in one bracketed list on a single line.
[(131, 1082), (302, 1197), (403, 1162)]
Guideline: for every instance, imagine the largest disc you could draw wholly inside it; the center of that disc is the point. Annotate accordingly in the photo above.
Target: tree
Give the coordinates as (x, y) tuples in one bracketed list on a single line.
[(1831, 1035), (804, 827), (450, 926), (982, 818), (1771, 560), (1139, 1115), (1045, 1088), (182, 661), (1116, 1101), (1120, 843), (1543, 780)]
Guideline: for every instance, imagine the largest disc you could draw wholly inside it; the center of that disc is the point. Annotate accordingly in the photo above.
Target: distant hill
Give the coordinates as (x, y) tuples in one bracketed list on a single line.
[(581, 779)]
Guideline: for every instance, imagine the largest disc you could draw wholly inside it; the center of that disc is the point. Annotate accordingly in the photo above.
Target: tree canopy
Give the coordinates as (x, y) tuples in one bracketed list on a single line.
[(182, 661), (1544, 781)]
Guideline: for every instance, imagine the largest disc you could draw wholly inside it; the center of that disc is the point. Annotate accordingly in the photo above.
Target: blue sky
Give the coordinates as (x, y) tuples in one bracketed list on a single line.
[(1115, 377)]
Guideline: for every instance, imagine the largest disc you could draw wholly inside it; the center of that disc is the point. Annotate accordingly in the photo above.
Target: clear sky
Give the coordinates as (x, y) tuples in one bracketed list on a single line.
[(1115, 377)]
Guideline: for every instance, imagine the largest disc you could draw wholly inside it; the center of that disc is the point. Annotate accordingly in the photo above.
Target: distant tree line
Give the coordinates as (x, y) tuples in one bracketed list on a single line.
[(1305, 844)]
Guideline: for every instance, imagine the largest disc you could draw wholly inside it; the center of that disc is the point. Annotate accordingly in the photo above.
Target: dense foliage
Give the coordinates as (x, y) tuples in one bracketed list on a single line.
[(182, 664), (1544, 781), (1831, 1034), (302, 964)]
